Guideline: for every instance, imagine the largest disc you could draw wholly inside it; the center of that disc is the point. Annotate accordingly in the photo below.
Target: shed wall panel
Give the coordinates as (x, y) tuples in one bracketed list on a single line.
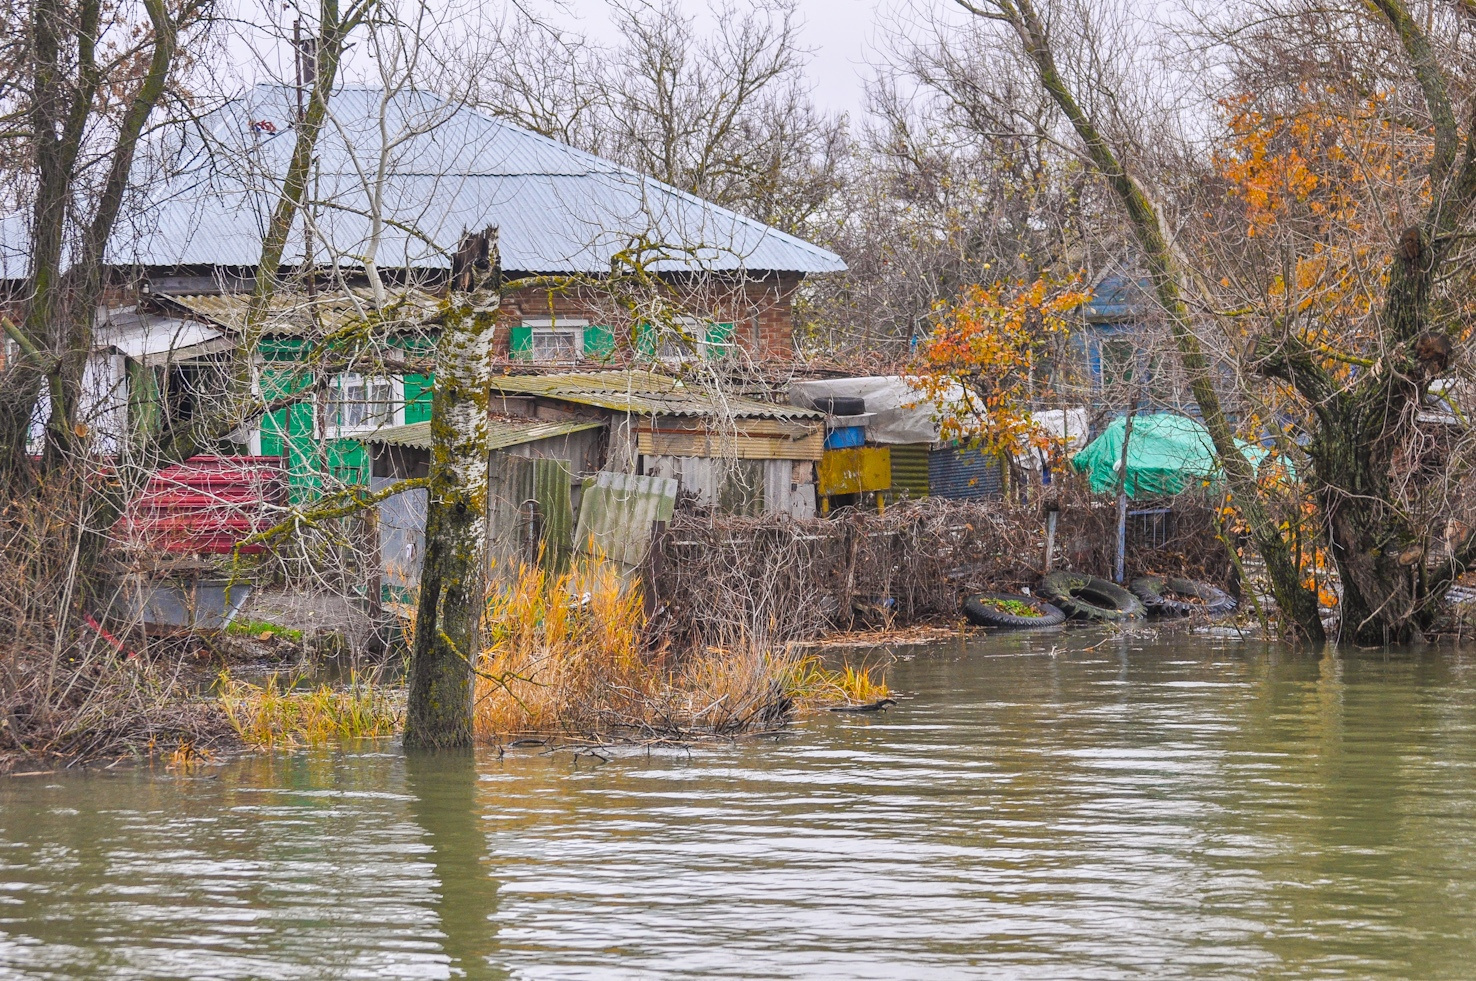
[(964, 473)]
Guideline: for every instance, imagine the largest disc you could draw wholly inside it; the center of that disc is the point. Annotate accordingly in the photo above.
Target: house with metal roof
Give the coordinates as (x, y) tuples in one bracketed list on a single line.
[(399, 177)]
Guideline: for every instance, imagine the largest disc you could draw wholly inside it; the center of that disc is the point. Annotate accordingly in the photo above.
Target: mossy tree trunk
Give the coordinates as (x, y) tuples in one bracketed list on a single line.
[(453, 579)]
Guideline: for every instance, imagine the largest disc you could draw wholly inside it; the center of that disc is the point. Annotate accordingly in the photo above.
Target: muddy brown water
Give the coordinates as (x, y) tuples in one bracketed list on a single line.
[(1191, 808)]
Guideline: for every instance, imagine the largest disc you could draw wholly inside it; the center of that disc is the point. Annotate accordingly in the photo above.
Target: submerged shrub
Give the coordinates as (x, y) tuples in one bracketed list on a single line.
[(274, 714)]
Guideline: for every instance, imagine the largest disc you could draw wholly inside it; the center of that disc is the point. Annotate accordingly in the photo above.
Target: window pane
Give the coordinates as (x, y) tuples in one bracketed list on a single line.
[(364, 403), (351, 395), (554, 345), (382, 402)]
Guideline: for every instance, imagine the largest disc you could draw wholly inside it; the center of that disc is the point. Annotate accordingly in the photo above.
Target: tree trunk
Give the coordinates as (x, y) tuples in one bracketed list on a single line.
[(453, 580), (1379, 554)]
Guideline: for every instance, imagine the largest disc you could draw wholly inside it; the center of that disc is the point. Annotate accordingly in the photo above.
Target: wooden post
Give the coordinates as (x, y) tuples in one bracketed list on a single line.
[(1122, 501), (1050, 550)]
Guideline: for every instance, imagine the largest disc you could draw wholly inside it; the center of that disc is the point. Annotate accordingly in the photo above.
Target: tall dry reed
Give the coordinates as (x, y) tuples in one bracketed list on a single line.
[(567, 655), (282, 714)]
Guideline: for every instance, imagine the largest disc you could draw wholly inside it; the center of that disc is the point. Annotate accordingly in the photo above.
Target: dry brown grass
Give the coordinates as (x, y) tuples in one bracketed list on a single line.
[(566, 656)]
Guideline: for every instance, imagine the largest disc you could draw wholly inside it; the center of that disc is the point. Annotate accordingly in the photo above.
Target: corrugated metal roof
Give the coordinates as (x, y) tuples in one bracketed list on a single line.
[(501, 433), (559, 210), (645, 393), (291, 312)]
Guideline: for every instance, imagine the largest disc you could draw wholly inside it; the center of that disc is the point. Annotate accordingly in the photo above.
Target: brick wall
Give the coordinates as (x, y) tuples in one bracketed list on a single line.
[(761, 308)]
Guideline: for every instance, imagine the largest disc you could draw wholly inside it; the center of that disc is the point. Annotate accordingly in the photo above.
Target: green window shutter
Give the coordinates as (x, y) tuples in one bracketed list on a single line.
[(281, 348), (645, 340), (349, 461), (418, 398), (274, 426), (719, 339), (520, 343), (599, 343)]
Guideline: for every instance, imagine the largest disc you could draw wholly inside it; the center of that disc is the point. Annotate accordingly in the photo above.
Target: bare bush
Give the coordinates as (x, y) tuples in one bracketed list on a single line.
[(73, 686), (775, 580)]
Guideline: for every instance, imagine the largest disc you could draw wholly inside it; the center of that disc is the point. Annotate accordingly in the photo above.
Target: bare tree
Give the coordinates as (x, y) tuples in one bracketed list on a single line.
[(725, 116), (83, 85)]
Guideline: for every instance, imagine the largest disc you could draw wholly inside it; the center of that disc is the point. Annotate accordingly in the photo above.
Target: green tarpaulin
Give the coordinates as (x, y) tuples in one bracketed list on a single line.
[(1167, 454)]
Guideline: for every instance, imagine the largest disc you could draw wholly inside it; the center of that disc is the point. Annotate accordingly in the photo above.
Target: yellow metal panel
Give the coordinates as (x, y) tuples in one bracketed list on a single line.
[(854, 471), (729, 446)]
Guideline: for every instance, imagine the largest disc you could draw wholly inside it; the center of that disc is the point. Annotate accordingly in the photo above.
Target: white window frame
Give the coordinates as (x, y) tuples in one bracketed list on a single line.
[(547, 326), (703, 349), (395, 416)]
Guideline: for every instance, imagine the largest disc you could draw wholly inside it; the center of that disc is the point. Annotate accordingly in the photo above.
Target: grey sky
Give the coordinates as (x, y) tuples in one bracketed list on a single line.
[(841, 33)]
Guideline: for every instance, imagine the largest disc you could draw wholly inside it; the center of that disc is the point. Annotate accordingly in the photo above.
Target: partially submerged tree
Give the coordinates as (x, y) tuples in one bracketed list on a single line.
[(1357, 187), (1173, 288), (453, 578)]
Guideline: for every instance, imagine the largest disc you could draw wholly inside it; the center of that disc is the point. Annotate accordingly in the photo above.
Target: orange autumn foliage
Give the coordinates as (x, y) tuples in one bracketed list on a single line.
[(1317, 179), (980, 362)]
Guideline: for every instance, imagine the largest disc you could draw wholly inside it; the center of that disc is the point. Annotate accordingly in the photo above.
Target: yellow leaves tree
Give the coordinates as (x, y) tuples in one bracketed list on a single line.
[(1311, 186), (983, 361)]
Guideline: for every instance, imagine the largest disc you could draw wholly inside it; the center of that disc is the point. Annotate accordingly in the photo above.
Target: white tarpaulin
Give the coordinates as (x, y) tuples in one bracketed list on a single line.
[(900, 413)]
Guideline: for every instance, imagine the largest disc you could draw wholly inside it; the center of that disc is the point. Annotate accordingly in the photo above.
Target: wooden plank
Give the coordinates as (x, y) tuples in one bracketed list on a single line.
[(778, 428), (734, 447)]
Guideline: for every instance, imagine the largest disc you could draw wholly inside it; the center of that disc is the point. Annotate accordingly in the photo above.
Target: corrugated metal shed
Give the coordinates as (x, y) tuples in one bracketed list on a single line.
[(207, 190), (501, 433), (617, 513), (910, 470), (964, 473), (646, 393)]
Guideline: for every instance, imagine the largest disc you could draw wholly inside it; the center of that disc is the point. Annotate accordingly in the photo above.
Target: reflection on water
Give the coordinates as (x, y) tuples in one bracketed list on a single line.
[(1041, 807), (443, 800)]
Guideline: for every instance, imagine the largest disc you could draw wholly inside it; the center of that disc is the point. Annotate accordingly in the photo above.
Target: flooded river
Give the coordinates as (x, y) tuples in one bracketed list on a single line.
[(1039, 807)]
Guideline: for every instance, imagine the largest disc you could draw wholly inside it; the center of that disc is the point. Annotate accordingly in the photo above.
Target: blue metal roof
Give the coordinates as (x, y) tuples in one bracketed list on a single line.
[(448, 169)]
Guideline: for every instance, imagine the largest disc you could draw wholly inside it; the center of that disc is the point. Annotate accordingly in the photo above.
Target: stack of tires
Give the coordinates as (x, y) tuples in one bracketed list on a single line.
[(1084, 597), (1176, 597)]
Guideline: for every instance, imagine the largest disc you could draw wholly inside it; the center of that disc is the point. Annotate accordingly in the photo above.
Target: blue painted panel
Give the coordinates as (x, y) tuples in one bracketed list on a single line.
[(964, 473), (845, 438)]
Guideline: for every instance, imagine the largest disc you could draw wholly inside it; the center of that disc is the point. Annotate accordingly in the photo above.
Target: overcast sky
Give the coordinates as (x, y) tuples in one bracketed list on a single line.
[(841, 33)]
